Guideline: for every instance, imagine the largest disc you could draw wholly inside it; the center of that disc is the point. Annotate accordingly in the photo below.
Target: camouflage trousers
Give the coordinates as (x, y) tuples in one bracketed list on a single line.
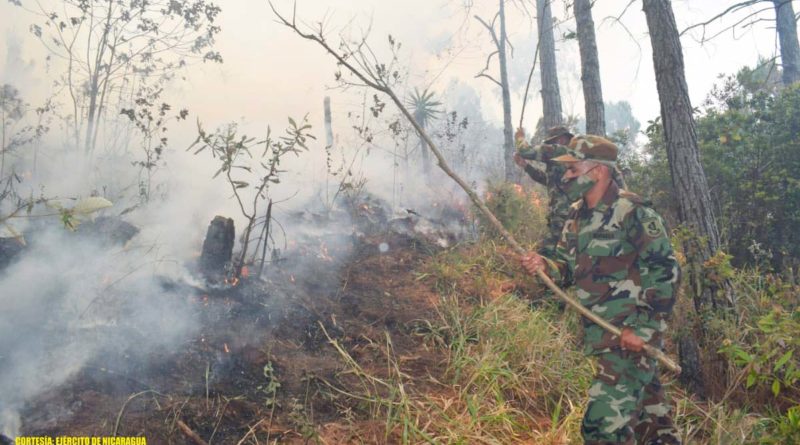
[(627, 404)]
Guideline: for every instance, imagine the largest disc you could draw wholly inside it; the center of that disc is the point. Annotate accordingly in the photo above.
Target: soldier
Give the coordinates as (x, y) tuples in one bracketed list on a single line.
[(555, 145), (615, 250)]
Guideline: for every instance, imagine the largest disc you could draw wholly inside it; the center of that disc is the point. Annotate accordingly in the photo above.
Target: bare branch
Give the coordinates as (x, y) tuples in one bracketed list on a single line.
[(372, 83), (490, 28), (490, 78), (489, 60), (730, 9)]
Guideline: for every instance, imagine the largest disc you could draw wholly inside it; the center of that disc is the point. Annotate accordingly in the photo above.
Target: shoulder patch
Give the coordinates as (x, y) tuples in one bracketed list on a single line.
[(653, 227)]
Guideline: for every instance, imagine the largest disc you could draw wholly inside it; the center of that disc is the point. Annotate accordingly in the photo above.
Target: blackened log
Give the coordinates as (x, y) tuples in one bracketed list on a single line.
[(218, 246)]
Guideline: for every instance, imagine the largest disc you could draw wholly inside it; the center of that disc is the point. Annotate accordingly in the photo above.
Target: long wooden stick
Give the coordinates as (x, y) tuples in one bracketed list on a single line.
[(382, 87)]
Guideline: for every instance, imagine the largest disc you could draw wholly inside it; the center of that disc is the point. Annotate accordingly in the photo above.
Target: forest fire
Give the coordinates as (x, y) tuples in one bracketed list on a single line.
[(285, 249)]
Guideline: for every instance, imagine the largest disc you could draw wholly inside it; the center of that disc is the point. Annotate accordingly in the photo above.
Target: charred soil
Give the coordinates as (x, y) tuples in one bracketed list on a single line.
[(263, 366)]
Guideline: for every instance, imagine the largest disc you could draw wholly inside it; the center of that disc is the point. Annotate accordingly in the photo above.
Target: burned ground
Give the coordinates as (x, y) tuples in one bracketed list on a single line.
[(263, 365)]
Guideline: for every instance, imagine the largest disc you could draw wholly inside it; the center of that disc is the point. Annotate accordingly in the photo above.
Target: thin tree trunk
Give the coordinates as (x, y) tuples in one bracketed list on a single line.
[(551, 96), (508, 129), (419, 116), (3, 152), (265, 232), (787, 34), (328, 123), (688, 177), (590, 69)]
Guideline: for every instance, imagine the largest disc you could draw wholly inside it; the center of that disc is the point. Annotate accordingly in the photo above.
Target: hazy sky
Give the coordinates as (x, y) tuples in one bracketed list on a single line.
[(269, 73)]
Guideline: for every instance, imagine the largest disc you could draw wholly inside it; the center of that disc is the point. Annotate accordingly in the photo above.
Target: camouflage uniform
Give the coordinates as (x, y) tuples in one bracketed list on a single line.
[(619, 257), (558, 206)]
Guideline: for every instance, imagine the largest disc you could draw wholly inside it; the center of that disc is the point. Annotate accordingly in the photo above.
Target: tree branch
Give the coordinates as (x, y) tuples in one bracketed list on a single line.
[(490, 78)]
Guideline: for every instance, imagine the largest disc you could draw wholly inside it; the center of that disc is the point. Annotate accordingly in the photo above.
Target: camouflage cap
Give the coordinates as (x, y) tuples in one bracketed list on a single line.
[(557, 132), (590, 148)]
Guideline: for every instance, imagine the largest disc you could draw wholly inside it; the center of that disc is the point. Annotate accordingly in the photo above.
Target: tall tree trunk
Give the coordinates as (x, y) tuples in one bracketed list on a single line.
[(551, 96), (787, 34), (590, 69), (688, 177), (508, 128)]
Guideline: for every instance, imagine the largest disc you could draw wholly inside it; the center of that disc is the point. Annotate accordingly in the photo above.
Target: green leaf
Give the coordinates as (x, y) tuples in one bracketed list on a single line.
[(782, 361), (743, 356), (751, 380), (776, 387)]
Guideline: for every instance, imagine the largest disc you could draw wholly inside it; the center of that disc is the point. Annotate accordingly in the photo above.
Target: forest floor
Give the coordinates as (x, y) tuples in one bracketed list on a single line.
[(272, 361), (400, 331)]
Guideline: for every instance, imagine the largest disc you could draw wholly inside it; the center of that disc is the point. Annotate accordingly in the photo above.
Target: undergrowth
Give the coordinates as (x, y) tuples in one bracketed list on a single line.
[(512, 370)]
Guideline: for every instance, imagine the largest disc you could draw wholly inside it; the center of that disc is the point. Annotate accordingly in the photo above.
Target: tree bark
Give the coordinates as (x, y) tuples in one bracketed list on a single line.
[(787, 34), (688, 177), (508, 128), (551, 96), (590, 69)]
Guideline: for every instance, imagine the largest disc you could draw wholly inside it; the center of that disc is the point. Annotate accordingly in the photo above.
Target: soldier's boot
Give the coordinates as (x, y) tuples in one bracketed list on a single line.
[(655, 420)]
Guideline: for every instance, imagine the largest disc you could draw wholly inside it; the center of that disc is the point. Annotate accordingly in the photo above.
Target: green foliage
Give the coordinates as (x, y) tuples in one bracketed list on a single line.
[(772, 356), (749, 140), (270, 388), (522, 212), (788, 428), (751, 152), (424, 106)]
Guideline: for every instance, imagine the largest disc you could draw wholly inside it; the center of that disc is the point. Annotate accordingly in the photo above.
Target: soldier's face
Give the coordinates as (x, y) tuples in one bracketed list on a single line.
[(580, 168)]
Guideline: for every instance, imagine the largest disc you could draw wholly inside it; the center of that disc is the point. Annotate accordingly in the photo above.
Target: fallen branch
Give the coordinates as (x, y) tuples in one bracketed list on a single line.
[(188, 432), (380, 84)]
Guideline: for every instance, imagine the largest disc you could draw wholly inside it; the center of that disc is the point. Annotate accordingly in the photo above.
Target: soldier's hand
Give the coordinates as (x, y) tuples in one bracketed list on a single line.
[(533, 263), (630, 341), (519, 161)]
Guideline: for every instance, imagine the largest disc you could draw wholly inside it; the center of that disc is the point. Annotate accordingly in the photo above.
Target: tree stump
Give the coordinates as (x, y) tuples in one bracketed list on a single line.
[(217, 247)]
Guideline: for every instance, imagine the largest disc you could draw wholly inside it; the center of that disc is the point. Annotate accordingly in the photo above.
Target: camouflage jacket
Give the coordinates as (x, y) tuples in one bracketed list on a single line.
[(619, 257), (558, 205)]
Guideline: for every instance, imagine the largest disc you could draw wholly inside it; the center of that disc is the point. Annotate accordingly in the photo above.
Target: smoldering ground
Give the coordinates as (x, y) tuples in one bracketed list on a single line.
[(71, 301)]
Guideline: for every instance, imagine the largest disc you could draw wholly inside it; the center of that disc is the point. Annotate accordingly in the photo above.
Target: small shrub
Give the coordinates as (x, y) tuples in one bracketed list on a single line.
[(522, 212)]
